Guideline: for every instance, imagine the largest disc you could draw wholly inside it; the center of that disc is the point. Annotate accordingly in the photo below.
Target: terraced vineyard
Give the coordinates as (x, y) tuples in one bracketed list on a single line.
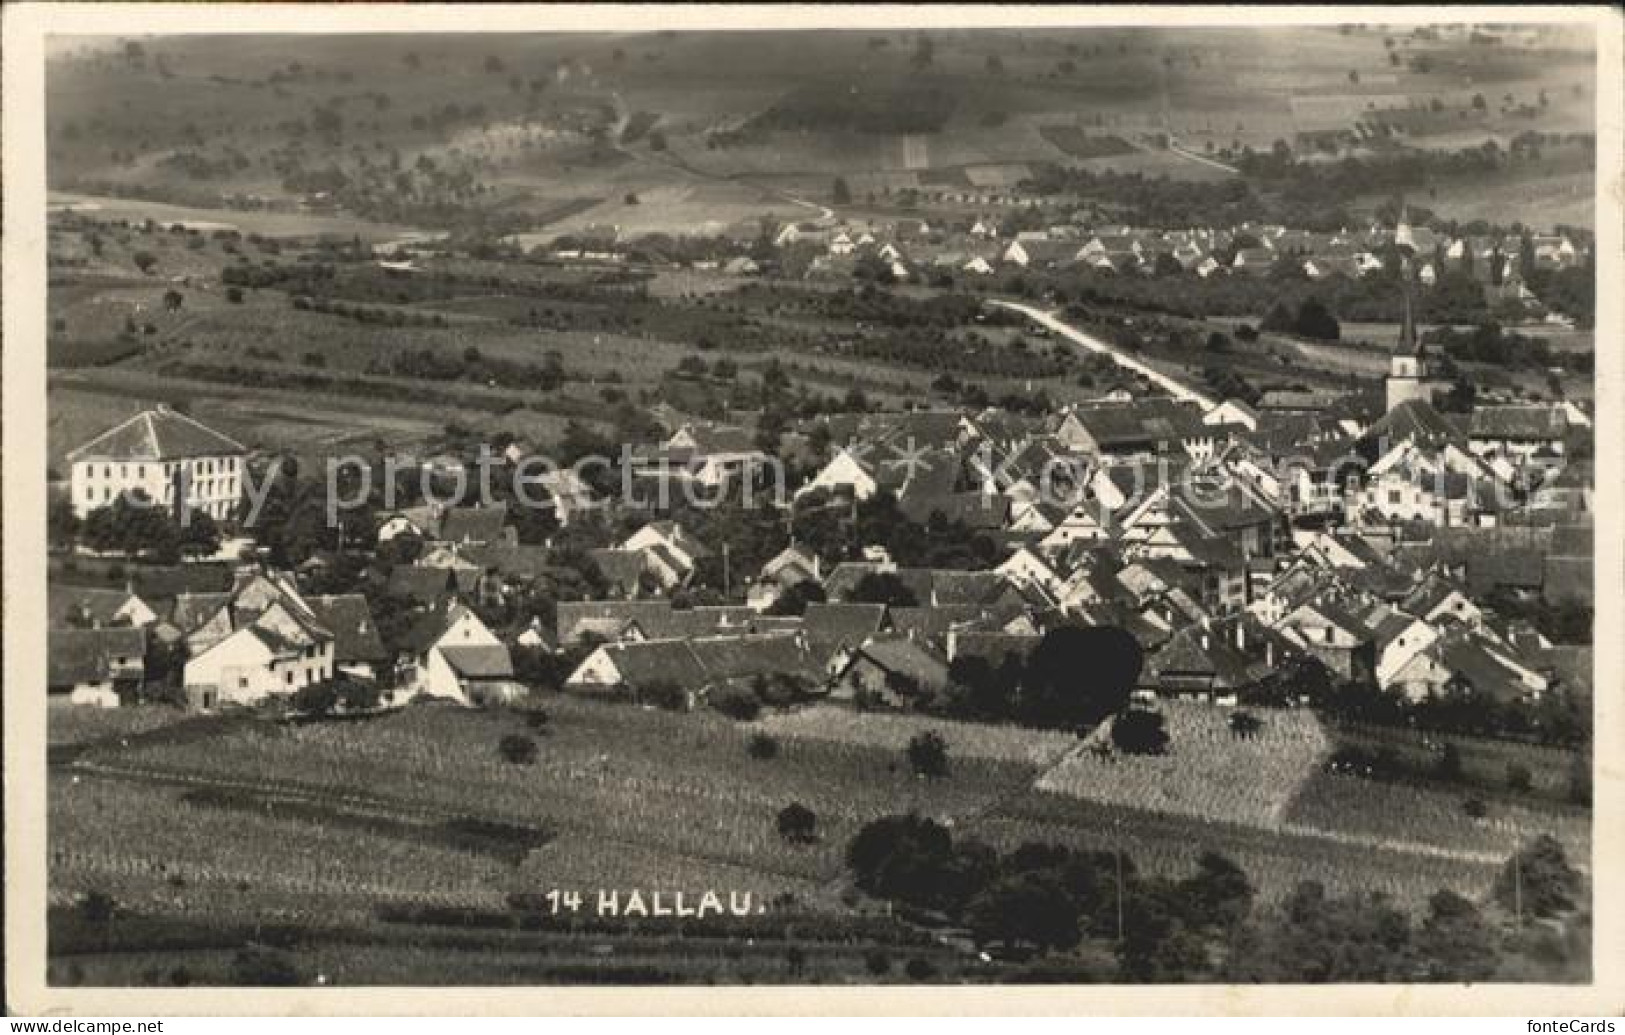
[(1208, 773)]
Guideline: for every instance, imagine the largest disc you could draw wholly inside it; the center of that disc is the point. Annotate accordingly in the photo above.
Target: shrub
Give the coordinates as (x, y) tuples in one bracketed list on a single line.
[(763, 746), (928, 754), (665, 694), (1138, 732), (737, 703), (518, 749), (919, 969), (260, 967), (797, 823)]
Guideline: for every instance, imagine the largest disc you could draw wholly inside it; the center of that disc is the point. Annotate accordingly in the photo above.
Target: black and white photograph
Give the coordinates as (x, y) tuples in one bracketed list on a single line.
[(884, 504)]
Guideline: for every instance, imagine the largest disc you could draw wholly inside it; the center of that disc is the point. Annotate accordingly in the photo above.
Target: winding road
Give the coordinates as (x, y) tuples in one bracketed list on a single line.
[(1177, 389)]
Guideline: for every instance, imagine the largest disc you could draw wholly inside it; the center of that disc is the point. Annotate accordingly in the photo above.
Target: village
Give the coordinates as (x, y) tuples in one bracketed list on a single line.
[(1410, 552)]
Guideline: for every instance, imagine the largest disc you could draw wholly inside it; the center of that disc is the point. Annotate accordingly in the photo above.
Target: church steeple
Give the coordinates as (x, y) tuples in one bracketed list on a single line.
[(1407, 373), (1408, 344)]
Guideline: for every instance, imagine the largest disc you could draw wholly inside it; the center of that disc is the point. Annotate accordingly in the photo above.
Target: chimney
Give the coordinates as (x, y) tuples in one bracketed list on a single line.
[(1241, 635), (1269, 653), (1204, 638)]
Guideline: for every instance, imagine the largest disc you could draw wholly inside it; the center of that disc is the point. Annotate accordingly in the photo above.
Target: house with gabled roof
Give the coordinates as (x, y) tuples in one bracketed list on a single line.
[(95, 607), (453, 654), (94, 666), (889, 670)]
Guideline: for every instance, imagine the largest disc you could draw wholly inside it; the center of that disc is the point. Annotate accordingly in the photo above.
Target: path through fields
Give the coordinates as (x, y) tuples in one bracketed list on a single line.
[(1177, 389)]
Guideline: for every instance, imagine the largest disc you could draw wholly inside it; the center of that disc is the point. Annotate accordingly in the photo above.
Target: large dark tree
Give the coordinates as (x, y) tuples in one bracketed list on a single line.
[(1077, 676)]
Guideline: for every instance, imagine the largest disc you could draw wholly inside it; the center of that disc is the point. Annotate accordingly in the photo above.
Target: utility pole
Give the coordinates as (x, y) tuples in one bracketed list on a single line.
[(1117, 859), (727, 584), (1517, 877)]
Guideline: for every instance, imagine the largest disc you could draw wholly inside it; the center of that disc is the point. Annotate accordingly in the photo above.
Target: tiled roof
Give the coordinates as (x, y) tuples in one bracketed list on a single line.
[(489, 662), (349, 619), (76, 656), (160, 434)]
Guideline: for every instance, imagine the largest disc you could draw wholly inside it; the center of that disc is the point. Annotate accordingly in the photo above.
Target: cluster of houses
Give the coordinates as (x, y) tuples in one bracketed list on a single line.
[(1226, 540), (981, 246)]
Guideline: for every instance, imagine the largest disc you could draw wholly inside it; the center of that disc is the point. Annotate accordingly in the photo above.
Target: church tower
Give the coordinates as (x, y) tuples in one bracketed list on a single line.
[(1407, 367)]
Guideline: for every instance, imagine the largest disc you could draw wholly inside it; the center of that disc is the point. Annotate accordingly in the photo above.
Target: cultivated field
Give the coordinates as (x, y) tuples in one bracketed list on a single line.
[(1208, 772)]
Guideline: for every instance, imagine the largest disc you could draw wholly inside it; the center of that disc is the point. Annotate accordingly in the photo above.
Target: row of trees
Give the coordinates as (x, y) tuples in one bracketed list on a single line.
[(1207, 926)]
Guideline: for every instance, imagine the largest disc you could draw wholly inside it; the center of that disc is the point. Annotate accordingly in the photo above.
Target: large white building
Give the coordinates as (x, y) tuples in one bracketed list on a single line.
[(167, 457)]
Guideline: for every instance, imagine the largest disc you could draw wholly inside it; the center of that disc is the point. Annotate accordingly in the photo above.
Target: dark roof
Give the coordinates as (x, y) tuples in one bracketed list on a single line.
[(576, 617), (349, 619), (993, 647), (1542, 423), (83, 605), (192, 610), (1412, 421), (489, 662), (473, 524), (1139, 424), (160, 434), (75, 656), (906, 657), (849, 623), (512, 561), (426, 585), (620, 568)]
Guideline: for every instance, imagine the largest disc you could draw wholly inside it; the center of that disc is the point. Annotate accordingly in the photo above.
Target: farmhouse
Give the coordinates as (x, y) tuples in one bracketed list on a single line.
[(451, 653), (889, 670), (163, 457), (96, 667)]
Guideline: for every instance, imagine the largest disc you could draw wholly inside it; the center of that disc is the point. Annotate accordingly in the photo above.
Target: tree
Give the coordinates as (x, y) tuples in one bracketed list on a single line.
[(234, 295), (841, 194), (1218, 895), (173, 300), (199, 535), (1518, 777), (1139, 732), (1077, 676), (1316, 321), (1538, 881), (517, 749), (62, 523), (883, 588), (1032, 908), (1454, 943), (144, 261), (798, 824), (928, 754)]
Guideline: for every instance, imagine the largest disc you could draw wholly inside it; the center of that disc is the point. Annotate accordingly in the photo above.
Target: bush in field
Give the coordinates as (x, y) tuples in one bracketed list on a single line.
[(316, 699), (798, 824), (259, 967), (1137, 732), (763, 746), (667, 695), (1538, 880), (518, 749), (737, 703), (928, 754)]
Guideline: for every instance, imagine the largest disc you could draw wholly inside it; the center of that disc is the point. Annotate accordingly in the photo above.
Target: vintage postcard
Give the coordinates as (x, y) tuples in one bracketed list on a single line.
[(858, 509)]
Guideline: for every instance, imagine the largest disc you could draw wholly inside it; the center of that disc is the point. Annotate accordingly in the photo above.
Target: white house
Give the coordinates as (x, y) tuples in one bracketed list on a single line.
[(456, 656), (167, 458), (843, 472)]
